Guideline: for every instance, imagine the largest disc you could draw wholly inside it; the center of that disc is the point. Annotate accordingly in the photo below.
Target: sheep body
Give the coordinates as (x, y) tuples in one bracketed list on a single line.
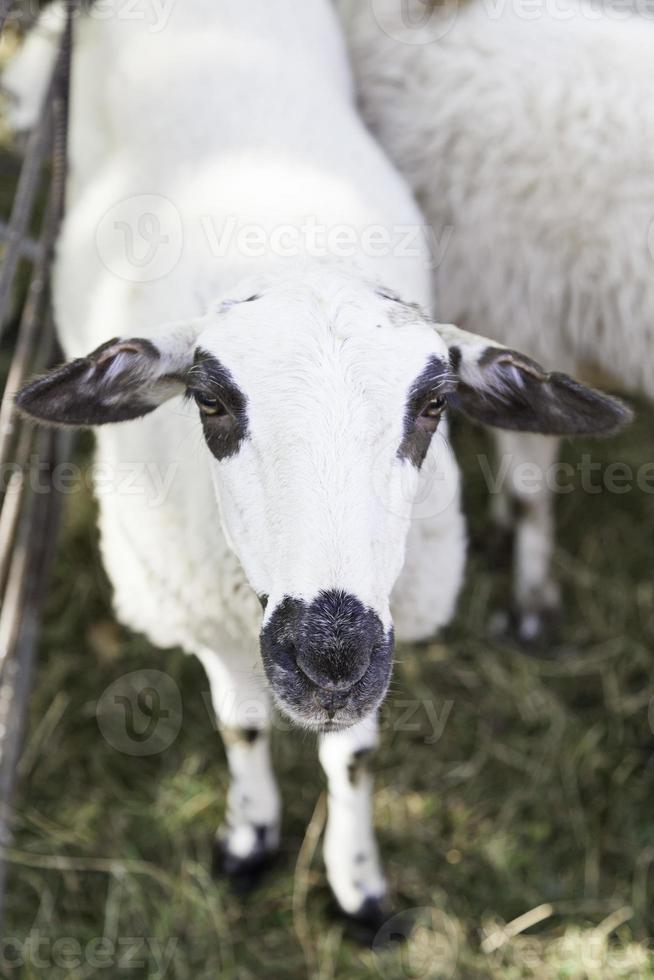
[(317, 392), (528, 137), (218, 152)]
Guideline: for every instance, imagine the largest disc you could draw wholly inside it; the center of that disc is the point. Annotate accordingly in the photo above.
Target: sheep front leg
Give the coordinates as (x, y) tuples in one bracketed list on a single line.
[(350, 849), (523, 506), (250, 836)]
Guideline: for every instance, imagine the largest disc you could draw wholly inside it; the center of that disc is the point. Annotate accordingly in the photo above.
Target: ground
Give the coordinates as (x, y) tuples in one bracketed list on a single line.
[(506, 784)]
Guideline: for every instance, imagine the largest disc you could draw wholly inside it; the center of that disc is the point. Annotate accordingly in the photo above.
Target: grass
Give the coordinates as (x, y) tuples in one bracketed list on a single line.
[(518, 786)]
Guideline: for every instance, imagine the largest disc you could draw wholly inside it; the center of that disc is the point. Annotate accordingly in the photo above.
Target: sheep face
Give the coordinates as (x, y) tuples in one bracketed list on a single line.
[(319, 399), (307, 398)]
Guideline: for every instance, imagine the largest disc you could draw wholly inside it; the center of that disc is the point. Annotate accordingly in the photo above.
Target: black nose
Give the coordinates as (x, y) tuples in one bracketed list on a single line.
[(332, 652), (334, 641)]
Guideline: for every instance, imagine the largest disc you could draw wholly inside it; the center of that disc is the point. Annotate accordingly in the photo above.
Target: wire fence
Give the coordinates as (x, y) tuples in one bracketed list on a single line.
[(29, 515)]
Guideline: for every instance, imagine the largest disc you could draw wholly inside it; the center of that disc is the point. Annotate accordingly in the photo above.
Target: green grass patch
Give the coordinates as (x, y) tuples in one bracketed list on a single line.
[(528, 784)]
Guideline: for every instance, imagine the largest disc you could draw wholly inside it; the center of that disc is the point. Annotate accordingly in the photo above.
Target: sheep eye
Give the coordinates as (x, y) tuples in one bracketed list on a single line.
[(434, 408), (209, 405)]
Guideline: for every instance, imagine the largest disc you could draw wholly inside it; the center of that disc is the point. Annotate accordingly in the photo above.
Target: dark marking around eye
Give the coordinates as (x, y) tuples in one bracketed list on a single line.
[(224, 433), (418, 432), (455, 360)]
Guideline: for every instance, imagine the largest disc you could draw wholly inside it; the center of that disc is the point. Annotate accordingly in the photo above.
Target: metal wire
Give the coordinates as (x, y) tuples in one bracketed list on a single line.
[(28, 520), (5, 6)]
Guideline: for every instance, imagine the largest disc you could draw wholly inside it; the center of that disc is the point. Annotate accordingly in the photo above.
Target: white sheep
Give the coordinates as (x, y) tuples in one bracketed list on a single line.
[(295, 419), (527, 133)]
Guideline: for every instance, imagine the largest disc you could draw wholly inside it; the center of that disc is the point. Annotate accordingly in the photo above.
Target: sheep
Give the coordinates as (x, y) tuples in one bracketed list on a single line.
[(527, 135), (292, 401)]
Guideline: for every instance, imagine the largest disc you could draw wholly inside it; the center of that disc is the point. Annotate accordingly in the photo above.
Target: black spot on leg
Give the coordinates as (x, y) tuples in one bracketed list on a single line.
[(358, 765), (360, 858), (261, 831), (521, 509), (244, 736)]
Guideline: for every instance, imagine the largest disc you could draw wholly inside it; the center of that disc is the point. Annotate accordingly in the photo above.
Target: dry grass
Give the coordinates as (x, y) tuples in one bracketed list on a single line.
[(524, 828)]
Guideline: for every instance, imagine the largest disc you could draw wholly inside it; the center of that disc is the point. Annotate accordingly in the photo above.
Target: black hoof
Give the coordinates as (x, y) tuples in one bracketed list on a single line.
[(538, 631), (534, 633), (243, 874), (497, 546), (364, 925)]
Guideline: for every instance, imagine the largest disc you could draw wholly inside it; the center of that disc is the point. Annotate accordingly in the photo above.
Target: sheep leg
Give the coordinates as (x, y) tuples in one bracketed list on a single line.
[(523, 505), (250, 836), (350, 848)]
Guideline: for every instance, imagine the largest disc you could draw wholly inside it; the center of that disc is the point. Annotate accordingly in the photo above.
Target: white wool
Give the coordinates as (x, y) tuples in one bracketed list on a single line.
[(243, 113), (527, 133)]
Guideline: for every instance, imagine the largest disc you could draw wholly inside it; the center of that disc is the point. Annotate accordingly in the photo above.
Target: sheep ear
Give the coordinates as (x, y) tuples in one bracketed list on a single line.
[(509, 390), (121, 380)]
